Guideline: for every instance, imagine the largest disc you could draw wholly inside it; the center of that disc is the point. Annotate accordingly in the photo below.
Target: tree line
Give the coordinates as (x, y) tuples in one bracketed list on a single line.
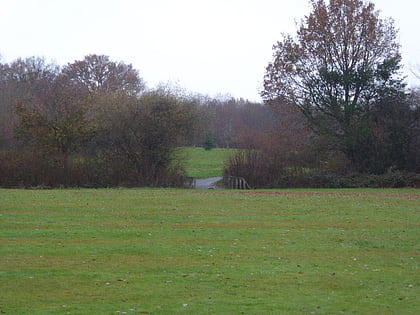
[(336, 108), (94, 123)]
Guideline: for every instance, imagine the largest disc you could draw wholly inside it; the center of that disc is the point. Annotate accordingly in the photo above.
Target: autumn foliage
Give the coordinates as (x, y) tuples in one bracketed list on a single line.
[(341, 104), (336, 108), (90, 124), (342, 71)]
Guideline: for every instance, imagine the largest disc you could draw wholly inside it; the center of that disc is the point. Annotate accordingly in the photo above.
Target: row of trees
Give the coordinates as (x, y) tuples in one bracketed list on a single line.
[(94, 123), (335, 103), (90, 123)]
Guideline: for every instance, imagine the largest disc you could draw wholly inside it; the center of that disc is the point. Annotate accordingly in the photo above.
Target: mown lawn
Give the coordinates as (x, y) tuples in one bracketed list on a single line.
[(205, 164), (156, 251)]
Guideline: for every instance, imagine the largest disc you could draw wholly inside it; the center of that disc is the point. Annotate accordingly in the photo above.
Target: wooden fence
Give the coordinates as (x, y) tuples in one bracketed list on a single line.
[(234, 182)]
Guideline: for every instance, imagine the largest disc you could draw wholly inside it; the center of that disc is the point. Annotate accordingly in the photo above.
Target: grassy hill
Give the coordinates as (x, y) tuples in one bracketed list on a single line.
[(205, 164)]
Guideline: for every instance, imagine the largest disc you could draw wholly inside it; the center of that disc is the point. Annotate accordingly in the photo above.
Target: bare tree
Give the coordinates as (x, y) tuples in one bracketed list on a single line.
[(101, 75)]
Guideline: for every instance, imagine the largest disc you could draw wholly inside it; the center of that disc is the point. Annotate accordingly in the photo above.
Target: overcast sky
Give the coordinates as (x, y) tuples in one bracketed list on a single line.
[(206, 46)]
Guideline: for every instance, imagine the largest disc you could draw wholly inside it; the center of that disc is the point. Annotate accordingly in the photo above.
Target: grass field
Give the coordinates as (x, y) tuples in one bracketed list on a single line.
[(156, 251), (205, 164)]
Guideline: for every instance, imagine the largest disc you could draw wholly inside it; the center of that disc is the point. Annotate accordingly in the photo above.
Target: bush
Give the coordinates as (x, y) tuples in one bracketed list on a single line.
[(259, 169), (263, 171), (28, 169)]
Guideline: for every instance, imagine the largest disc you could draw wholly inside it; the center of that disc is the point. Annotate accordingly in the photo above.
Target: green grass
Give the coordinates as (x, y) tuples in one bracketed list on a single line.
[(206, 164), (209, 252)]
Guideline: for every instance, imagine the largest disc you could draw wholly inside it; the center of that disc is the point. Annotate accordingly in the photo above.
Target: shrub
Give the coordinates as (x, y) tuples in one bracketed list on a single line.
[(259, 169), (28, 169), (263, 171)]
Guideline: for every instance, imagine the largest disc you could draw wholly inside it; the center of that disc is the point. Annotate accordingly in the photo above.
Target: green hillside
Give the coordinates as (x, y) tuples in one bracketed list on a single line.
[(205, 164)]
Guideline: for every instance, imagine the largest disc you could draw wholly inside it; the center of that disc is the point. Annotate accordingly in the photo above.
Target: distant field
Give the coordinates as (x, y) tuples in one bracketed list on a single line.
[(157, 251), (206, 164)]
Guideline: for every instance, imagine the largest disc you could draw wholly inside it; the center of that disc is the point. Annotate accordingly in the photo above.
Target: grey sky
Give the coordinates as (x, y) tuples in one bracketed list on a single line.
[(205, 46)]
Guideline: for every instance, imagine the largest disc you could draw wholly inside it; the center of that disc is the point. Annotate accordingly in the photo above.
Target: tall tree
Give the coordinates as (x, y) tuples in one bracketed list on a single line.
[(101, 75), (343, 61)]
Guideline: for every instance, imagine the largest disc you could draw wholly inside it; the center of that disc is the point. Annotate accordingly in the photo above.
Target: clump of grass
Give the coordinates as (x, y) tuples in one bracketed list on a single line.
[(217, 252)]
